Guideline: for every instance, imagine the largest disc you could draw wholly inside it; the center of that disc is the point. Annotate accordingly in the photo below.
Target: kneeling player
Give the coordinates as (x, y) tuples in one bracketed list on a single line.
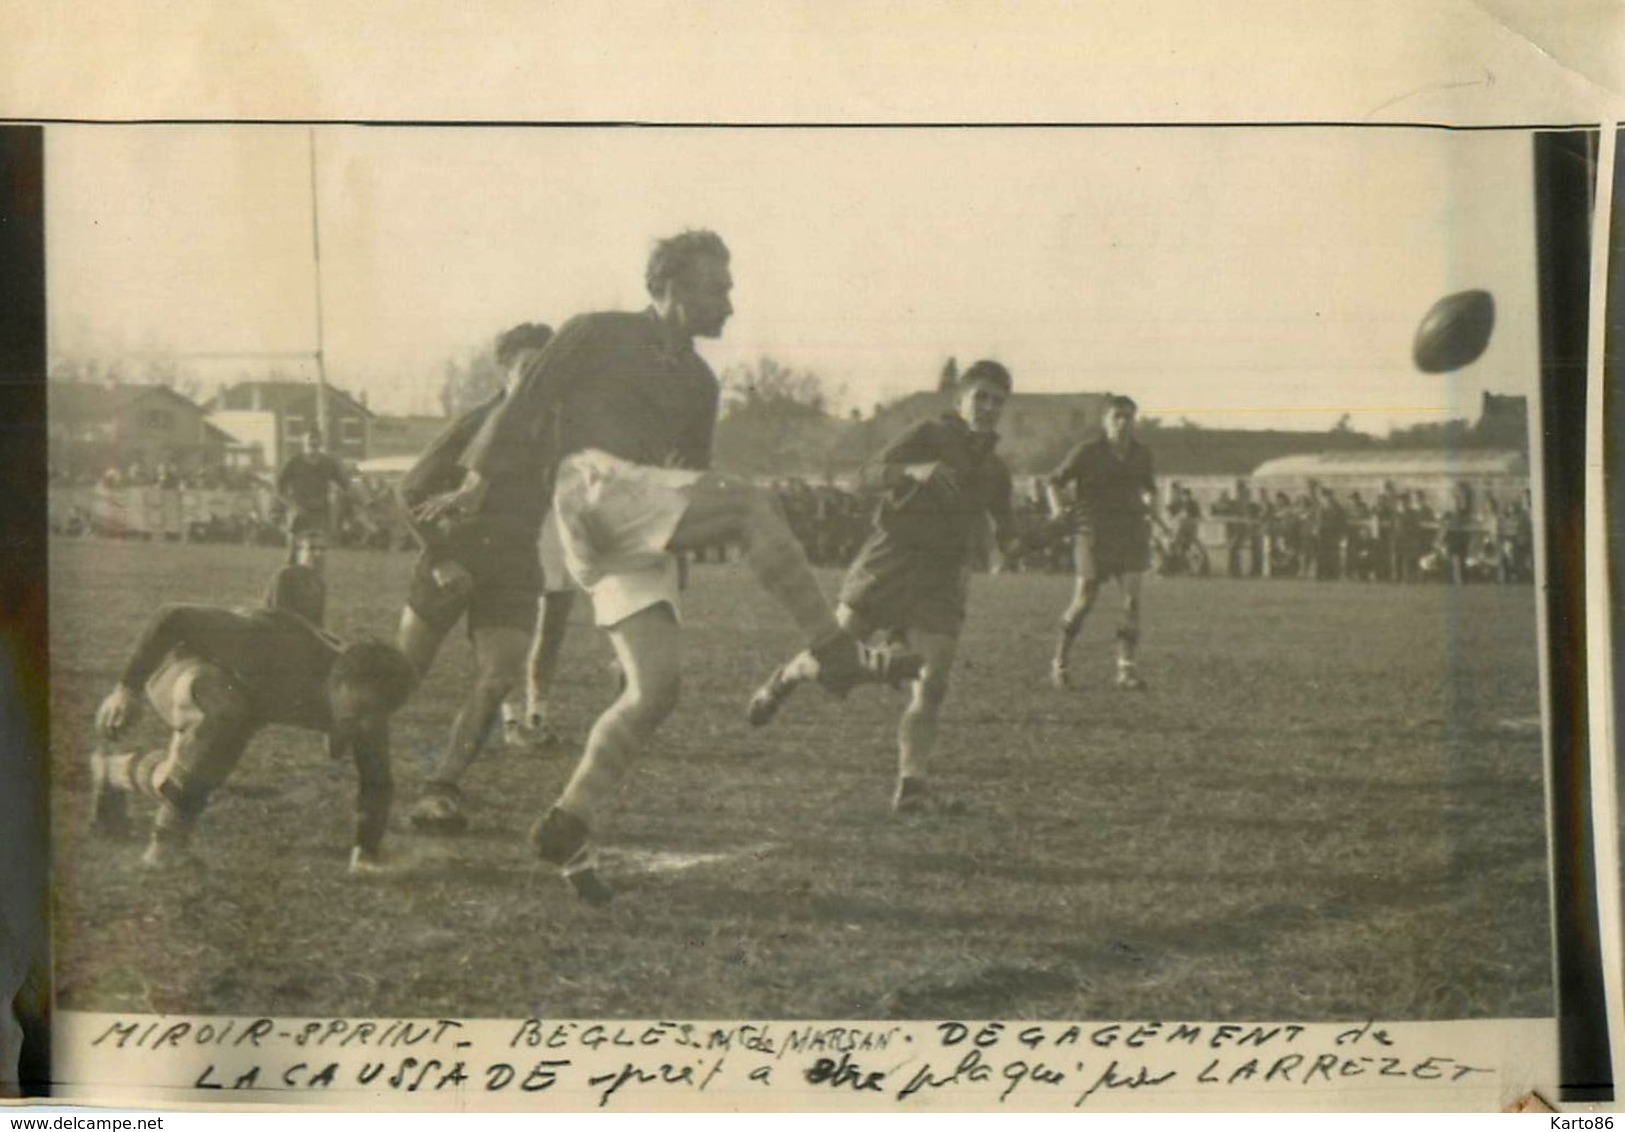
[(217, 676), (912, 576), (1112, 502)]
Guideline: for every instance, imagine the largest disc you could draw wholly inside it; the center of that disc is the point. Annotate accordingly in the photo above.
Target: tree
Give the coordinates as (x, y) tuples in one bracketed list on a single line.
[(468, 381), (770, 382), (775, 420), (949, 377)]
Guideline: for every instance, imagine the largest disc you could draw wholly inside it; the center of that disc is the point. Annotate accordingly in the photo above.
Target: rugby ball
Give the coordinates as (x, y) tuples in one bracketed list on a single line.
[(1454, 332)]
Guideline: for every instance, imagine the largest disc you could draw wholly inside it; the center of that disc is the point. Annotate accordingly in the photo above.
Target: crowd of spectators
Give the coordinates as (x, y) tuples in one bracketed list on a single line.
[(1397, 536), (1317, 533)]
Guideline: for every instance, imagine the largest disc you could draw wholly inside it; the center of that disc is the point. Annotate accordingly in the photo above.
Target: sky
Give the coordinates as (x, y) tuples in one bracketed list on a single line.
[(1265, 277)]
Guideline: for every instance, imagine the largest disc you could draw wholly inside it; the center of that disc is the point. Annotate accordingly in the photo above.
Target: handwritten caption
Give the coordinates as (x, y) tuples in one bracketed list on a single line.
[(1062, 1064)]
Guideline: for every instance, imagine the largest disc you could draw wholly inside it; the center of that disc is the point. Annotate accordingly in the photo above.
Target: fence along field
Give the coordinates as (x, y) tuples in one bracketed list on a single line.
[(1328, 806)]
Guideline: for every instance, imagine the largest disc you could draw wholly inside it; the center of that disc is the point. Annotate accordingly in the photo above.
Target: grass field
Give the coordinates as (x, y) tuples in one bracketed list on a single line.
[(1328, 806)]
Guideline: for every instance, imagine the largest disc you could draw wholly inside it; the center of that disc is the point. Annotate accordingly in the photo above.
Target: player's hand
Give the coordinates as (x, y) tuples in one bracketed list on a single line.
[(117, 712), (465, 499)]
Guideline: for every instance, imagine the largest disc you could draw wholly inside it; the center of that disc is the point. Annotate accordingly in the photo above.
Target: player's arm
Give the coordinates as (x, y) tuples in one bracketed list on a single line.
[(910, 458), (173, 625), (507, 439), (284, 482), (1060, 485)]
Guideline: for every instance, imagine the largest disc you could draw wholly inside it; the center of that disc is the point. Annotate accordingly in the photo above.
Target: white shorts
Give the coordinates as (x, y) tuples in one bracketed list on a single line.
[(550, 550), (615, 521)]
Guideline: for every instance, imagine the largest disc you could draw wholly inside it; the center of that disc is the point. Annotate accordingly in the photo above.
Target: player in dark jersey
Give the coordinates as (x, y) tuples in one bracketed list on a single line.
[(305, 485), (614, 422), (217, 676), (912, 576), (481, 567), (1106, 488)]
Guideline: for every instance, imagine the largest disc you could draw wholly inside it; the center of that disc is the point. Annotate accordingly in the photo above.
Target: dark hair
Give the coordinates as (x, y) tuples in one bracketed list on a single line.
[(677, 254), (988, 371), (377, 665), (525, 336), (1120, 401)]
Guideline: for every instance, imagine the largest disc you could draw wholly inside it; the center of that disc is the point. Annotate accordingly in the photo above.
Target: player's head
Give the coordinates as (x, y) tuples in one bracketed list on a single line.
[(981, 393), (1119, 419), (298, 589), (369, 681), (512, 345), (689, 281), (313, 440)]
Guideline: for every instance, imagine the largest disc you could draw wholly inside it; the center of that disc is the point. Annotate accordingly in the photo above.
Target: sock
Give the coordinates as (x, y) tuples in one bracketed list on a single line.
[(1128, 640), (136, 772), (1071, 626), (798, 670)]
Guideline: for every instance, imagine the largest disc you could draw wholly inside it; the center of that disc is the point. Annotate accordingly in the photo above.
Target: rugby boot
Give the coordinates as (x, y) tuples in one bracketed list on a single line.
[(771, 696), (582, 876), (558, 836), (915, 796), (1129, 680), (440, 811), (844, 662)]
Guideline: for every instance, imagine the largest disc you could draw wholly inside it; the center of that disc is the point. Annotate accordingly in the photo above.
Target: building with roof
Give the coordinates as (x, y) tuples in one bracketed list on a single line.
[(402, 436), (272, 417), (92, 427)]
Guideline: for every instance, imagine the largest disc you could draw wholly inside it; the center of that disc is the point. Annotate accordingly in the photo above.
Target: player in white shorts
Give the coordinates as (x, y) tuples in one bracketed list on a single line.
[(617, 416)]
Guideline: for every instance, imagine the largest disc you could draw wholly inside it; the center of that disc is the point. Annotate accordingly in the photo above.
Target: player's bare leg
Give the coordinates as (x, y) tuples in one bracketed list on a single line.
[(1128, 634), (649, 647), (498, 660), (917, 730), (542, 665), (419, 640), (725, 509), (1084, 596)]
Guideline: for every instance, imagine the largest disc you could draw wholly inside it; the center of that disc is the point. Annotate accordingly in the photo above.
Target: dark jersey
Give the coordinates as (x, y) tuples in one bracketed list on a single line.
[(280, 662), (931, 517), (513, 500), (1109, 489), (608, 381), (304, 480)]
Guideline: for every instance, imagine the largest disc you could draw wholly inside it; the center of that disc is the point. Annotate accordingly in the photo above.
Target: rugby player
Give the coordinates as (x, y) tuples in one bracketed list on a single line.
[(481, 567), (305, 486), (1106, 488), (620, 410), (943, 482), (216, 676)]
